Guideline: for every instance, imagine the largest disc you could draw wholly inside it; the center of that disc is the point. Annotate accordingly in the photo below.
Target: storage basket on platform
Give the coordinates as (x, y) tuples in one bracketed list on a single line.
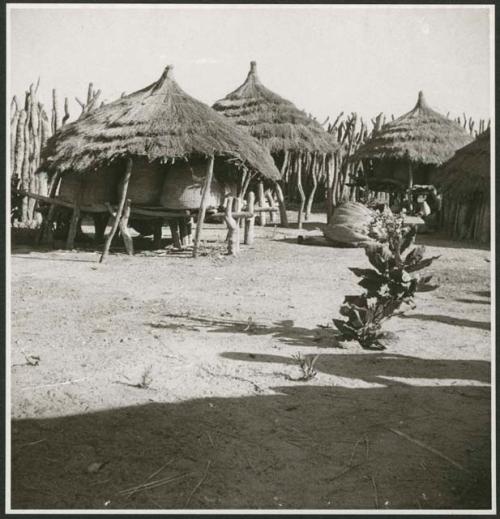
[(97, 187), (183, 186), (146, 182)]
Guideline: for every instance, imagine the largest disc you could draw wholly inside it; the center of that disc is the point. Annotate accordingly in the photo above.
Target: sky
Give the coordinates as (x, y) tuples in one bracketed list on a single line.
[(325, 60)]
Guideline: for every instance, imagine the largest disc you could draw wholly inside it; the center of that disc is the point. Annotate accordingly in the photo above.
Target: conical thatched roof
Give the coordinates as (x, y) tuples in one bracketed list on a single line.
[(274, 121), (158, 122), (422, 135), (467, 173)]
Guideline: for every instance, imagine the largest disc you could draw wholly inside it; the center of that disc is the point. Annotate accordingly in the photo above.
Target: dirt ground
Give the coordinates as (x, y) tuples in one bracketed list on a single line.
[(179, 375)]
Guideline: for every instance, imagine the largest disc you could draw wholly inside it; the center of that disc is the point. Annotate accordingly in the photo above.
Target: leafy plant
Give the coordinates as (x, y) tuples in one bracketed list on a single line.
[(388, 286)]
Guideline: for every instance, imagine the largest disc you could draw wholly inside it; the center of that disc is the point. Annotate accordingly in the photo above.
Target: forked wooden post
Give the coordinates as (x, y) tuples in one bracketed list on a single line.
[(262, 204), (237, 209), (203, 205), (119, 211), (301, 193), (250, 221), (281, 204), (127, 239), (174, 231), (269, 198), (232, 239)]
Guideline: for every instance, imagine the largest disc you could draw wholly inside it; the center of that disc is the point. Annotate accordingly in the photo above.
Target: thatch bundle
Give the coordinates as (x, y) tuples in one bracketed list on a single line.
[(421, 136), (465, 184), (301, 148), (159, 122)]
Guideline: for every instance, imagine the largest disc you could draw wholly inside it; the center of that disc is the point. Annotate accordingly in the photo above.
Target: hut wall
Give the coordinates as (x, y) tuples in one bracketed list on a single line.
[(467, 220)]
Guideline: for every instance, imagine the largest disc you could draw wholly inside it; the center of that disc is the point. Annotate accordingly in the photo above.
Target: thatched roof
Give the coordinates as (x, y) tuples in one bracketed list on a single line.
[(160, 121), (467, 173), (422, 135), (274, 121)]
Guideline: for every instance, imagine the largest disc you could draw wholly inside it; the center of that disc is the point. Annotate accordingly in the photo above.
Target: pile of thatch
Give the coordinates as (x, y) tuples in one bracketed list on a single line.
[(159, 122), (300, 146), (422, 136), (465, 184)]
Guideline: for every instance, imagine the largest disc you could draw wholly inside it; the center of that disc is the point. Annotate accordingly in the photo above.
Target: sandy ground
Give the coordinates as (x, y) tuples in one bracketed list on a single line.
[(222, 418)]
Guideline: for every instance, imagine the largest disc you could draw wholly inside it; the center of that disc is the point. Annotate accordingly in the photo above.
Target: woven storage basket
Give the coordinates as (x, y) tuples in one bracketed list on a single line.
[(146, 182), (183, 186), (98, 187)]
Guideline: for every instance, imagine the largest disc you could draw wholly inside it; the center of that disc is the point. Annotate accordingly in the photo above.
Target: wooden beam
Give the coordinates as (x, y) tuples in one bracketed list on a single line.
[(123, 195), (203, 205)]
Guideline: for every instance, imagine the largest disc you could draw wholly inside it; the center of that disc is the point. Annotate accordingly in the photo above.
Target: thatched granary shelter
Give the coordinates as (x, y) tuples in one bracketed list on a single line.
[(166, 143), (407, 150), (464, 181), (300, 147)]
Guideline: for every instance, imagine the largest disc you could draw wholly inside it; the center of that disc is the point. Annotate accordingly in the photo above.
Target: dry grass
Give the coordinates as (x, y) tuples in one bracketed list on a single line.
[(160, 121), (273, 120), (422, 135), (467, 173)]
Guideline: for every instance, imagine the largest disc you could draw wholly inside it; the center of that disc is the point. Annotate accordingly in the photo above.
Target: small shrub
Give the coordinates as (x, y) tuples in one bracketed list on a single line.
[(388, 286), (306, 365)]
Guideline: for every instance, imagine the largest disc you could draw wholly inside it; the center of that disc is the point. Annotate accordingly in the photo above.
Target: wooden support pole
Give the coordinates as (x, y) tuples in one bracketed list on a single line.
[(124, 231), (232, 243), (270, 199), (189, 224), (123, 195), (73, 226), (250, 220), (281, 204), (203, 205), (301, 193), (237, 209), (262, 203), (310, 199), (183, 231), (157, 231), (174, 231), (100, 221)]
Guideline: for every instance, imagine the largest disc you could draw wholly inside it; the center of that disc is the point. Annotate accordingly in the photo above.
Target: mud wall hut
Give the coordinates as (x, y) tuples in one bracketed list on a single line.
[(302, 150), (464, 181)]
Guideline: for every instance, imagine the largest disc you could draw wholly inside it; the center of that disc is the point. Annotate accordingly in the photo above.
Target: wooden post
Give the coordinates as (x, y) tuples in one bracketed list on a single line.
[(237, 209), (157, 231), (410, 185), (281, 204), (127, 239), (250, 221), (100, 221), (174, 231), (269, 197), (232, 243), (262, 204), (119, 211), (310, 200), (203, 205), (189, 224), (70, 241), (301, 193), (183, 231)]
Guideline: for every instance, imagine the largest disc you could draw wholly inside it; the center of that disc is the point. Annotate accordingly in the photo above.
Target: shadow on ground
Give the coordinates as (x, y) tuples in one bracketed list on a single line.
[(446, 319), (285, 331), (306, 447)]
